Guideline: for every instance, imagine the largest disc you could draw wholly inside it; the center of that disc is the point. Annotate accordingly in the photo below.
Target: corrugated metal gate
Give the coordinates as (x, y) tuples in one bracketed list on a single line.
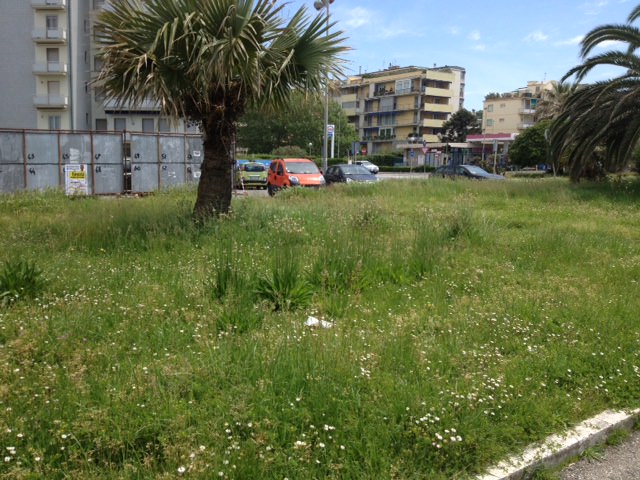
[(116, 162)]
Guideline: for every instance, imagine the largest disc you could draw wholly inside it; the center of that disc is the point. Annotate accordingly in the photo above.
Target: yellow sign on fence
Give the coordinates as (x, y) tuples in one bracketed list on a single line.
[(75, 179)]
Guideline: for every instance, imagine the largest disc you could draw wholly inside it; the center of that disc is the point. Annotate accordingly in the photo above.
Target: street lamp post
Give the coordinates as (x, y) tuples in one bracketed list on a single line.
[(446, 149), (319, 5)]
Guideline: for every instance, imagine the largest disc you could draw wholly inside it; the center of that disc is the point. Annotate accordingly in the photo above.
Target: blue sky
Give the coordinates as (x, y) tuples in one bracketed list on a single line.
[(501, 44)]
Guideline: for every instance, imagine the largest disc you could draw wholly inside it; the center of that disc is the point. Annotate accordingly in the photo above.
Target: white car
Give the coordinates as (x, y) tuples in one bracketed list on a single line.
[(368, 165)]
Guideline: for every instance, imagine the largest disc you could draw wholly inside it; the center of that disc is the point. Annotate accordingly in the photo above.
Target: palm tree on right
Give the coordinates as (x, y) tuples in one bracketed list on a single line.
[(599, 123)]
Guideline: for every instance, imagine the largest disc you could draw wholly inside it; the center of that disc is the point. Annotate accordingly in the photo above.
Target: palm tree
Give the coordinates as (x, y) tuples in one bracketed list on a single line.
[(207, 61), (599, 123), (553, 100)]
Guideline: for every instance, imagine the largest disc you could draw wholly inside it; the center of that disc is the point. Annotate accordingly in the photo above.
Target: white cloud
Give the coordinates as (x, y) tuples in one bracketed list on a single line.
[(610, 44), (386, 33), (480, 47), (475, 36), (454, 30), (358, 17), (594, 8), (571, 41), (537, 36)]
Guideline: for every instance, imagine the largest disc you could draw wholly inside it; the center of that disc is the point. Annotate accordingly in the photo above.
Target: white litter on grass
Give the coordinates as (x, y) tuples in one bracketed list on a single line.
[(314, 322)]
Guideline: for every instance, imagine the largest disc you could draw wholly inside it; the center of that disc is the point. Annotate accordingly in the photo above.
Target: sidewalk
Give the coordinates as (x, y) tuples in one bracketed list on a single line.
[(558, 449)]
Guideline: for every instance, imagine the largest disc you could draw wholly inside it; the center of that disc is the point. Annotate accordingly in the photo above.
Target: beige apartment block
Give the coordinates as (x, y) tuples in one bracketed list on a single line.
[(513, 112), (393, 107)]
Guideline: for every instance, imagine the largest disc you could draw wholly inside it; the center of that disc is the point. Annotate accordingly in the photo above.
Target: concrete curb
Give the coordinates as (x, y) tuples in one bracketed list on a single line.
[(558, 448)]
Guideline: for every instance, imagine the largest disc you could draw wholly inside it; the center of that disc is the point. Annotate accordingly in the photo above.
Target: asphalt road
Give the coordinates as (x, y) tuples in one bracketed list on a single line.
[(382, 176), (620, 462)]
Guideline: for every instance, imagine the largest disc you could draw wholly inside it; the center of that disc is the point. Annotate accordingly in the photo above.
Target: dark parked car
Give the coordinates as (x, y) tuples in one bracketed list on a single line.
[(347, 173), (466, 171)]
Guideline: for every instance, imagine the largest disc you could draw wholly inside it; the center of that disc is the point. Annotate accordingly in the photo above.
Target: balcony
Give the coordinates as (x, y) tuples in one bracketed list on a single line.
[(50, 101), (51, 68), (49, 4), (432, 123), (42, 35), (145, 106), (438, 92), (527, 111), (437, 107), (524, 126)]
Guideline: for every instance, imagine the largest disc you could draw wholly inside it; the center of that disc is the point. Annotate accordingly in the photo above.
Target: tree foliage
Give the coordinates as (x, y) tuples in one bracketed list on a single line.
[(207, 61), (599, 127), (530, 148), (553, 100), (298, 123), (461, 124)]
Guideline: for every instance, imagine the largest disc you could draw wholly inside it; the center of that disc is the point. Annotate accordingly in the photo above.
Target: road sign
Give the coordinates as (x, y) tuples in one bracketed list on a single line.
[(330, 130), (425, 149)]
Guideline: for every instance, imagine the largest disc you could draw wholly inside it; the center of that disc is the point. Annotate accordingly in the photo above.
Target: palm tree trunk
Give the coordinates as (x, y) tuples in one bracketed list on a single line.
[(215, 186)]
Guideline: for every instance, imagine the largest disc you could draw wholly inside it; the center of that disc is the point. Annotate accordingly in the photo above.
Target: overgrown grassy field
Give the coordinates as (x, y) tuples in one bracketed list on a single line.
[(469, 320)]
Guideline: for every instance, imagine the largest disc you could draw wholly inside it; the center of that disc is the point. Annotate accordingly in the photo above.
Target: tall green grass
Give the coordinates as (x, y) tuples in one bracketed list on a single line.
[(469, 319)]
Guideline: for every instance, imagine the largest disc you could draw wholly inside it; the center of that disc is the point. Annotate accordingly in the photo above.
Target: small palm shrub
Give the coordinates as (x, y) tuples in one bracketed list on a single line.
[(284, 286), (20, 279)]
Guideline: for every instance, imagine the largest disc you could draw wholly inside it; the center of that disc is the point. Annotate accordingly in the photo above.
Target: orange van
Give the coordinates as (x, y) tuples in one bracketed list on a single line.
[(293, 172)]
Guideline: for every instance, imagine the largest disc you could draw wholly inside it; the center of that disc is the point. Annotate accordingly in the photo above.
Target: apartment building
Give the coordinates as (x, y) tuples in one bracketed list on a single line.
[(513, 112), (398, 105), (50, 48)]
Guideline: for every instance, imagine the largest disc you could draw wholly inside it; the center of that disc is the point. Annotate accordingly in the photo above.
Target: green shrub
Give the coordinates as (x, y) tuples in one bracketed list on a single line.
[(284, 286), (20, 279)]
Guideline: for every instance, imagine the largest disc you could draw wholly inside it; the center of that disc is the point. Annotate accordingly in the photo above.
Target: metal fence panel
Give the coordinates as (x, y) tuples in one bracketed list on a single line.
[(35, 159), (11, 177), (108, 163), (43, 165), (195, 157), (172, 166), (11, 162), (76, 148), (144, 163)]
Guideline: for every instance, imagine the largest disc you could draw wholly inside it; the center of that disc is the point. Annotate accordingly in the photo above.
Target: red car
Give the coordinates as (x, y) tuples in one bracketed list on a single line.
[(293, 172)]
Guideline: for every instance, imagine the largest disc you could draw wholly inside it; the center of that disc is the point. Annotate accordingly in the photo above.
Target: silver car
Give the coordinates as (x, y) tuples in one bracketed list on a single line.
[(368, 165)]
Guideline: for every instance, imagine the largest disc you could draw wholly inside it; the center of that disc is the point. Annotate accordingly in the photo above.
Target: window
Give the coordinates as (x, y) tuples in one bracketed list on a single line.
[(99, 95), (53, 88), (490, 107), (501, 120), (55, 122), (489, 122), (163, 125), (403, 86), (97, 63), (148, 125), (119, 124), (101, 124), (52, 26), (503, 105), (53, 59), (386, 133)]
